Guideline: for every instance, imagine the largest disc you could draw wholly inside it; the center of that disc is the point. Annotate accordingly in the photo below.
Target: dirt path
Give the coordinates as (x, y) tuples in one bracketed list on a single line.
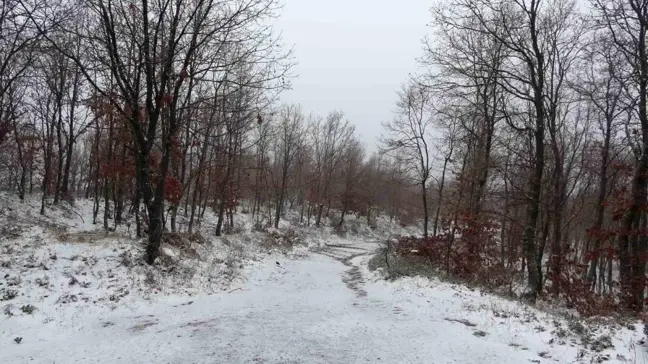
[(345, 253)]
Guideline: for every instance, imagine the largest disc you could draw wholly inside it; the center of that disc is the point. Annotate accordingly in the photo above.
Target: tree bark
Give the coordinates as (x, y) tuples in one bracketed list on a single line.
[(600, 206), (426, 214)]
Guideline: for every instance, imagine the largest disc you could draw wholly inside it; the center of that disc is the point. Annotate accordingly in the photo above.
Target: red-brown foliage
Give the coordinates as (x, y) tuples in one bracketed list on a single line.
[(173, 190), (467, 250)]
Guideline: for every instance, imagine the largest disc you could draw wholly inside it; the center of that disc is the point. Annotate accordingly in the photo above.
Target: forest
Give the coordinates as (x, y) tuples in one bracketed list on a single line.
[(167, 115), (520, 146)]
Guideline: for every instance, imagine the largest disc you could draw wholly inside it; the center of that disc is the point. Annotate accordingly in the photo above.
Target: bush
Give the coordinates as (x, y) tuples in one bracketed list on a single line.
[(197, 238), (7, 294), (340, 230), (230, 230), (125, 259), (28, 309), (467, 251), (177, 240), (149, 278), (396, 266), (282, 240), (577, 293)]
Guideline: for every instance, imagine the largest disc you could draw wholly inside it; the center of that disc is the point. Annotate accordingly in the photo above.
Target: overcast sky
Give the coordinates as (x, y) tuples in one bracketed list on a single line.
[(353, 55)]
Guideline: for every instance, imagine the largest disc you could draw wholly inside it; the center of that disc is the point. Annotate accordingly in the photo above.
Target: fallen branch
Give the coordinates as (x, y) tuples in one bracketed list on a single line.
[(238, 289)]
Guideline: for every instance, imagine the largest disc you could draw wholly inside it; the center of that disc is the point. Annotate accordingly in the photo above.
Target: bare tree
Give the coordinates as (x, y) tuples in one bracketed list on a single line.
[(409, 136), (18, 40), (601, 87), (350, 174), (448, 144), (330, 139), (288, 138), (627, 23)]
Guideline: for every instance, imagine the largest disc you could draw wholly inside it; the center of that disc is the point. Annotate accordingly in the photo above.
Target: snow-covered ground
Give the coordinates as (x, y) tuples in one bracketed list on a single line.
[(83, 298)]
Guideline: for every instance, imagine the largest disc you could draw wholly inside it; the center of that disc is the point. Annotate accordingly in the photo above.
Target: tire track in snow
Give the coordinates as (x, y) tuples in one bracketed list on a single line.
[(352, 277)]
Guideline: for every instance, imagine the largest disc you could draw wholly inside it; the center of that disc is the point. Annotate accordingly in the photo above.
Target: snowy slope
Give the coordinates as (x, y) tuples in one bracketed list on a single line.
[(241, 304), (301, 311)]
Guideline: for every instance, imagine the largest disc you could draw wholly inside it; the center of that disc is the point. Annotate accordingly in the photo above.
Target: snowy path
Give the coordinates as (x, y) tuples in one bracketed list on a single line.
[(316, 310)]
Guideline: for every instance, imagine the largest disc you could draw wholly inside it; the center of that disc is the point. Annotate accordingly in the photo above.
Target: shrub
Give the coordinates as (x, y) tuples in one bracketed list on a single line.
[(230, 230), (8, 294), (28, 309), (467, 250), (197, 238), (577, 293), (125, 259), (150, 279), (282, 240), (340, 230)]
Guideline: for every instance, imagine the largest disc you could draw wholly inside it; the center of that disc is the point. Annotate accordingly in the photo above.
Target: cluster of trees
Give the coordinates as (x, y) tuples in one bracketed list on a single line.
[(314, 165), (540, 107), (160, 110)]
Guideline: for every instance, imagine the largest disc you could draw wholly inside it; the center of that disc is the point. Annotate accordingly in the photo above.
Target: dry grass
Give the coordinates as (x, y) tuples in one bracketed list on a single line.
[(88, 236), (282, 240)]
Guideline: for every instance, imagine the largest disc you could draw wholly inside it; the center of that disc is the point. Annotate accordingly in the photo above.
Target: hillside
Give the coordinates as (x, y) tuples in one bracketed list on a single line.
[(70, 293)]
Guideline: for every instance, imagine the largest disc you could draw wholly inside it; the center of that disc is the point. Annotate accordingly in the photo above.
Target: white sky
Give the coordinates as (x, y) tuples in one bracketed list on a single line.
[(353, 56)]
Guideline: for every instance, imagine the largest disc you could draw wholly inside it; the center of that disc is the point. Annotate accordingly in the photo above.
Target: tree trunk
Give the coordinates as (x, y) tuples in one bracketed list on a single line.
[(119, 190), (59, 166), (225, 187), (426, 217), (278, 211), (95, 209), (280, 199), (440, 196), (533, 210), (155, 205), (320, 210), (638, 282), (556, 246), (155, 226), (21, 162), (107, 180), (600, 206), (342, 214), (221, 218), (70, 138), (541, 248)]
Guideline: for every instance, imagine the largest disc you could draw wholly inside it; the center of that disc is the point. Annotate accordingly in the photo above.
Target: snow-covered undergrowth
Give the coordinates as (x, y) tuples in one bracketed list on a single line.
[(70, 292), (63, 259), (60, 268), (544, 334)]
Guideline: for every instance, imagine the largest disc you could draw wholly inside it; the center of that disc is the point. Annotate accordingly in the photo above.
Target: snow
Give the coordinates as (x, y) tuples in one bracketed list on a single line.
[(243, 304)]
